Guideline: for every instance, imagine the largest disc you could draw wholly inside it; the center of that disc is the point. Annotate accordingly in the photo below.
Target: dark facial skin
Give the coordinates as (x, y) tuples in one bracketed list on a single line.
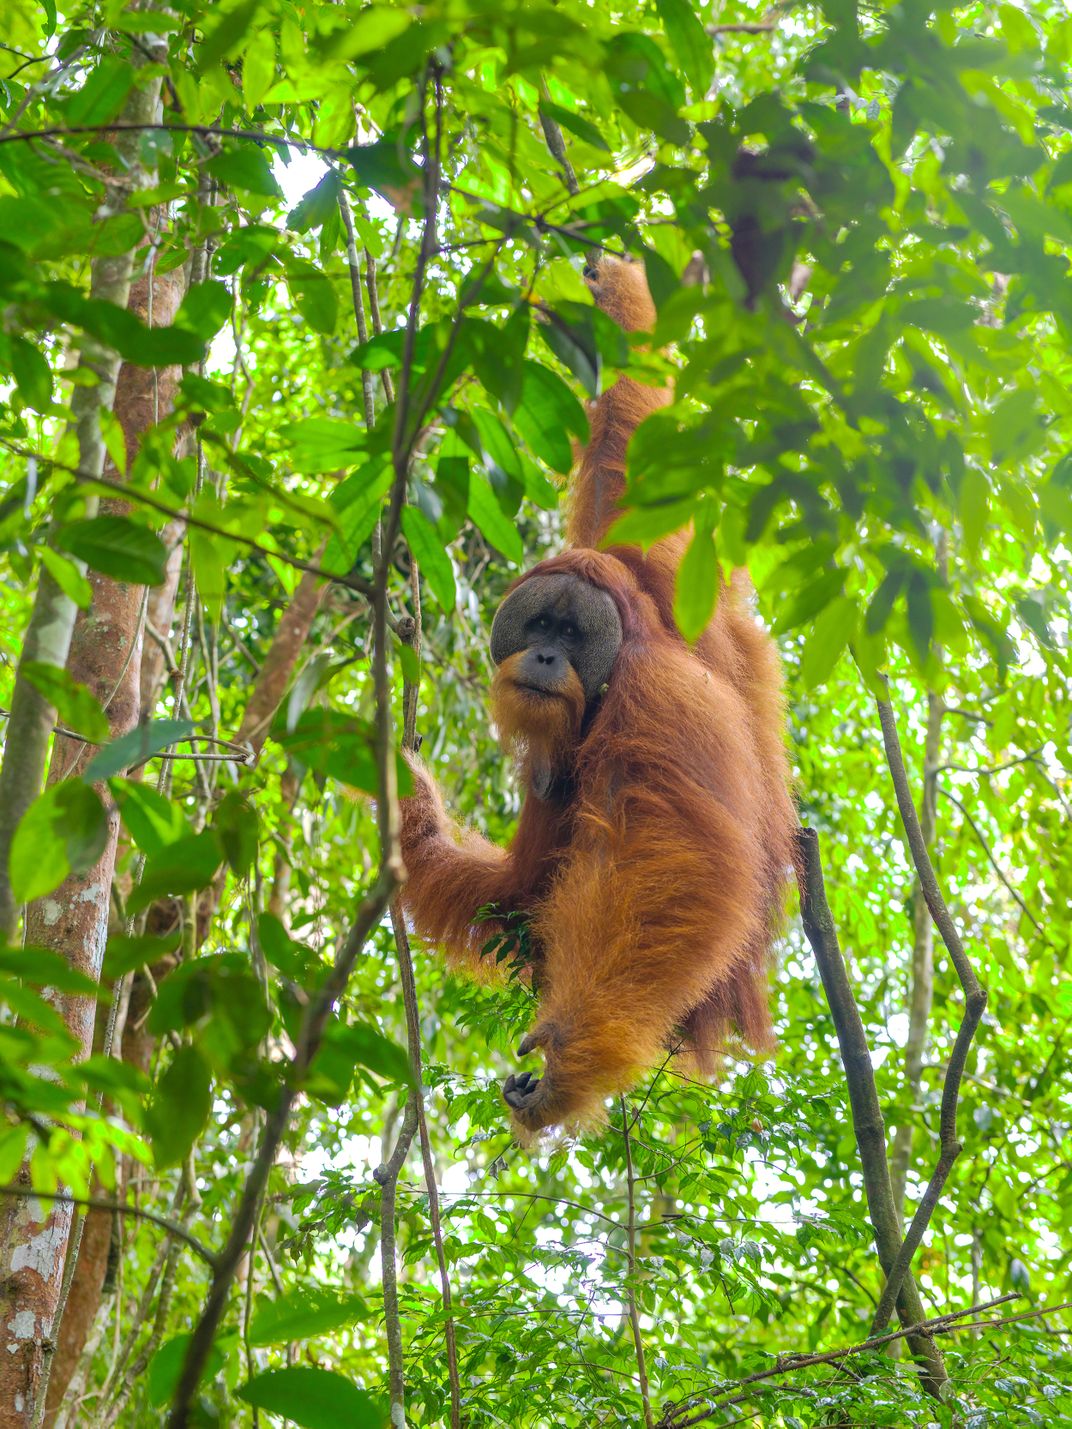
[(558, 621)]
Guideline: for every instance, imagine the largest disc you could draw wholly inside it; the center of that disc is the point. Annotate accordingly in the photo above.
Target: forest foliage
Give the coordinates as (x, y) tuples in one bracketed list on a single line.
[(294, 355)]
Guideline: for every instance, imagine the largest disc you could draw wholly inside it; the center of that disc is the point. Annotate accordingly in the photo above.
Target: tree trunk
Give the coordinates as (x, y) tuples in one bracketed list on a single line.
[(52, 620), (105, 654)]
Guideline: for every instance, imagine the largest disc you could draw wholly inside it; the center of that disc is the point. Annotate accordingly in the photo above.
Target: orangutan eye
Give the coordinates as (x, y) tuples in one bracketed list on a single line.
[(543, 623), (569, 630)]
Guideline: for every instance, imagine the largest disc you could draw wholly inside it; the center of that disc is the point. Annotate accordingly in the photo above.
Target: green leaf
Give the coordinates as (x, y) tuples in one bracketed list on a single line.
[(75, 703), (828, 638), (690, 42), (878, 612), (243, 166), (102, 95), (315, 298), (211, 554), (314, 1399), (974, 493), (333, 743), (575, 123), (489, 518), (317, 206), (920, 617), (810, 599), (152, 820), (258, 67), (358, 501), (123, 954), (180, 1107), (117, 547), (547, 413), (136, 747), (64, 831), (180, 868), (433, 560), (319, 444), (225, 37), (366, 1046), (67, 576), (696, 586), (166, 1365), (302, 1313), (236, 826), (32, 374), (41, 967), (204, 309)]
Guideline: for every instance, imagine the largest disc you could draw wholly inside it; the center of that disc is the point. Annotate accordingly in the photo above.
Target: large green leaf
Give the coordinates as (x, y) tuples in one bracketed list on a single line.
[(135, 748), (64, 831), (314, 1399), (304, 1312), (430, 554), (180, 1107), (75, 703), (117, 547)]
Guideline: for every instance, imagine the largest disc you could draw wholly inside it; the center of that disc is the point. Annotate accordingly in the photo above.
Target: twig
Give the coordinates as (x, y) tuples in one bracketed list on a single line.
[(977, 831), (555, 142), (368, 382), (149, 1348), (387, 1177), (630, 1278), (119, 1208), (352, 582), (747, 27), (974, 1004), (402, 450), (789, 1364), (377, 323), (867, 1118), (206, 131)]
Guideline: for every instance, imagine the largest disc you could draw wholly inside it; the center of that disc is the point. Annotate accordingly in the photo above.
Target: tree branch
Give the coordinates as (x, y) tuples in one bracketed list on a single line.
[(630, 1278), (118, 1208), (789, 1364), (974, 1004), (867, 1120), (977, 831)]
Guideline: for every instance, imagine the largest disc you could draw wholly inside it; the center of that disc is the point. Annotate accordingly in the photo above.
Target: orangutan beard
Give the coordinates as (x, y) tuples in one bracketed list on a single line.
[(540, 730)]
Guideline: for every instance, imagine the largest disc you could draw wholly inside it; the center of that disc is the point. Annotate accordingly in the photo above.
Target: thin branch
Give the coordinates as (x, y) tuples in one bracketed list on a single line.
[(974, 1004), (387, 1176), (630, 1278), (747, 27), (988, 771), (368, 381), (402, 450), (977, 831), (867, 1120), (555, 142), (352, 582), (119, 1208), (206, 131), (789, 1364)]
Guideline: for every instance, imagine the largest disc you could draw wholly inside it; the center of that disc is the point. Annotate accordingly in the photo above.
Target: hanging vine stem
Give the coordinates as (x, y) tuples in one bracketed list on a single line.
[(406, 432), (634, 1316), (974, 1005)]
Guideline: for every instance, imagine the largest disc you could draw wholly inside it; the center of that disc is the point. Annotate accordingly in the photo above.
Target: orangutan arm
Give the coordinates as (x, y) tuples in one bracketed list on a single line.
[(620, 288), (452, 875)]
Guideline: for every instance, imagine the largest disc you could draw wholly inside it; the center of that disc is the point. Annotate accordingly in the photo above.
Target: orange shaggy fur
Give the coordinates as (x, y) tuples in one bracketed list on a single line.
[(655, 877)]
